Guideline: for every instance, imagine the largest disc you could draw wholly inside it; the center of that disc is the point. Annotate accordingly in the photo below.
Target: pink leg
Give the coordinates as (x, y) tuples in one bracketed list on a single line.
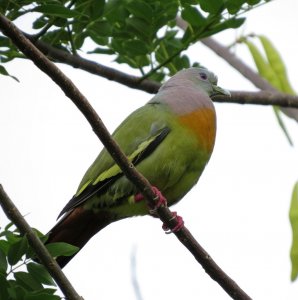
[(179, 225), (160, 200)]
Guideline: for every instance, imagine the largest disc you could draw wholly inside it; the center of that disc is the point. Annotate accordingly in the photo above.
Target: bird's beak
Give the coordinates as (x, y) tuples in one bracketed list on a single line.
[(217, 90)]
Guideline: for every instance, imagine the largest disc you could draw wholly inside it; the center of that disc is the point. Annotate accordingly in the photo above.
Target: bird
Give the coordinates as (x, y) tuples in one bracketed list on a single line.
[(169, 140)]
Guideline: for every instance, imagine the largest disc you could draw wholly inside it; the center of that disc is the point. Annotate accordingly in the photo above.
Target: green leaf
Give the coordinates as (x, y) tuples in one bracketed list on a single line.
[(39, 22), (139, 27), (157, 76), (262, 65), (41, 296), (3, 263), (277, 65), (231, 23), (141, 10), (189, 2), (4, 72), (193, 16), (212, 6), (253, 2), (17, 250), (281, 124), (79, 39), (100, 50), (40, 273), (4, 246), (16, 291), (135, 47), (96, 9), (115, 11), (27, 281), (57, 10), (4, 287), (61, 249), (101, 28), (294, 224), (233, 6)]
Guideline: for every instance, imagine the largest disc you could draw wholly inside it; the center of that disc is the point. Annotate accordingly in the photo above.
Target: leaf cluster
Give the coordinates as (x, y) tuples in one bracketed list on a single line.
[(140, 33), (271, 67), (21, 278)]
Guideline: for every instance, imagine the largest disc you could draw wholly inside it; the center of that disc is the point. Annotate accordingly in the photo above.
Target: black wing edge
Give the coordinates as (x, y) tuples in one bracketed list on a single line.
[(102, 186)]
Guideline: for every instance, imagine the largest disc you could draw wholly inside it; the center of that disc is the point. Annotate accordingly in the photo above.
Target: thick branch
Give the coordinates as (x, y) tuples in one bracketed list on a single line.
[(42, 253), (90, 66), (152, 87), (128, 169)]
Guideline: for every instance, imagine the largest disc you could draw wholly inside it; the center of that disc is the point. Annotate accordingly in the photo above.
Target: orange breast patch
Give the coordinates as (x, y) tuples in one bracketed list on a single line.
[(202, 123)]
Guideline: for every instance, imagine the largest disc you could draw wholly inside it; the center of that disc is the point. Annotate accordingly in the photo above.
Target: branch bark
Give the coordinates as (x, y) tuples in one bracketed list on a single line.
[(246, 71), (128, 169), (259, 98), (152, 87), (42, 253)]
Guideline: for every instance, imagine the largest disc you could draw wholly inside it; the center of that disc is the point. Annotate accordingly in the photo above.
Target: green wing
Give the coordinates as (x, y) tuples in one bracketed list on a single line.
[(138, 136)]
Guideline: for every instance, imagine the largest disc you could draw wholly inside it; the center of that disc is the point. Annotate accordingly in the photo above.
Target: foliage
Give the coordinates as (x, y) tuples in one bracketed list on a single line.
[(20, 277), (272, 68), (140, 33), (294, 223)]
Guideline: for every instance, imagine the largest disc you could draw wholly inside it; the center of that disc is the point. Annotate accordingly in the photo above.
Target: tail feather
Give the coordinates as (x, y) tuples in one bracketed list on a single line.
[(76, 228)]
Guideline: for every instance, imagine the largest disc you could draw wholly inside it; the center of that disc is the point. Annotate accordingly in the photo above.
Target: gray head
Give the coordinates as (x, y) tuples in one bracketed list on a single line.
[(200, 78)]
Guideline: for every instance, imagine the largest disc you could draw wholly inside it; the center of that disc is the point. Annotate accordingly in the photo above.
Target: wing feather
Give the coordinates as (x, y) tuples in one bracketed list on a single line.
[(105, 179)]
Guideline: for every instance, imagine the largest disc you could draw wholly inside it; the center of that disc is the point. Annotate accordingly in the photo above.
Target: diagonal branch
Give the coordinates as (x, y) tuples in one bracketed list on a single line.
[(241, 67), (42, 253), (246, 71), (238, 64), (128, 169)]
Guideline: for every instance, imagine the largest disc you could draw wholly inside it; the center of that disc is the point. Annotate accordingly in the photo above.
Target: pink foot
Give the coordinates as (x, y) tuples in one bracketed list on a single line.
[(159, 199), (179, 225)]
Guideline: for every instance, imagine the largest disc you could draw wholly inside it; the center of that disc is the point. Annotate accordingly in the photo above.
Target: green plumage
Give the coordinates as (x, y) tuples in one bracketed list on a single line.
[(172, 173), (169, 140)]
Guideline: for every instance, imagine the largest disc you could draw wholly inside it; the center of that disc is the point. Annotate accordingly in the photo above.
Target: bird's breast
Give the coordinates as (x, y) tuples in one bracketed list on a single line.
[(202, 123)]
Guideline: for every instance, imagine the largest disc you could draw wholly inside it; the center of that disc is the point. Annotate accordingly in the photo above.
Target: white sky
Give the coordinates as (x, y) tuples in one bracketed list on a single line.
[(238, 211)]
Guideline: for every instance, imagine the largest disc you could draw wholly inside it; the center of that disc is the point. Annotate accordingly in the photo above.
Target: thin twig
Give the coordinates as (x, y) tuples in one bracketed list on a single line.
[(259, 98), (42, 253), (128, 169)]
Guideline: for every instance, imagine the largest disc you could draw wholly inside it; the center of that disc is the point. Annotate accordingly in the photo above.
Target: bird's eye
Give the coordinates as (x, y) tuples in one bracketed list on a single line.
[(203, 76)]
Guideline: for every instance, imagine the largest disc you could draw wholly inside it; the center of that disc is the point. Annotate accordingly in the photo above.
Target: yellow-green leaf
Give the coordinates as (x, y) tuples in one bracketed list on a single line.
[(263, 66), (277, 64), (294, 224)]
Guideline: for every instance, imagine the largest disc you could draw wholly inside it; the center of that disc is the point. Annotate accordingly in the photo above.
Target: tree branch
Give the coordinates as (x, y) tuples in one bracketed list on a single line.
[(92, 67), (246, 71), (152, 87), (42, 253), (238, 64), (259, 98), (128, 169)]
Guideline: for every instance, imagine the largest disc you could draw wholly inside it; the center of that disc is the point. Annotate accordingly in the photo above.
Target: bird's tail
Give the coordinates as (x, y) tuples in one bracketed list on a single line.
[(76, 228)]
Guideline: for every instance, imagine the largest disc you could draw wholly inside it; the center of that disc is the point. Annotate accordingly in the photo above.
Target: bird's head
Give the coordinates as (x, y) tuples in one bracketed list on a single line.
[(200, 78)]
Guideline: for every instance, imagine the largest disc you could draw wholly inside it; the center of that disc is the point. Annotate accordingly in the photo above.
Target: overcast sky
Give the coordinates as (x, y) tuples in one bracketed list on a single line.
[(238, 211)]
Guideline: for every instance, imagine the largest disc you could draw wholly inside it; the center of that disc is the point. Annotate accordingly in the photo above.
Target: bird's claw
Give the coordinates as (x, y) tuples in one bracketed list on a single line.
[(159, 200), (177, 227)]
